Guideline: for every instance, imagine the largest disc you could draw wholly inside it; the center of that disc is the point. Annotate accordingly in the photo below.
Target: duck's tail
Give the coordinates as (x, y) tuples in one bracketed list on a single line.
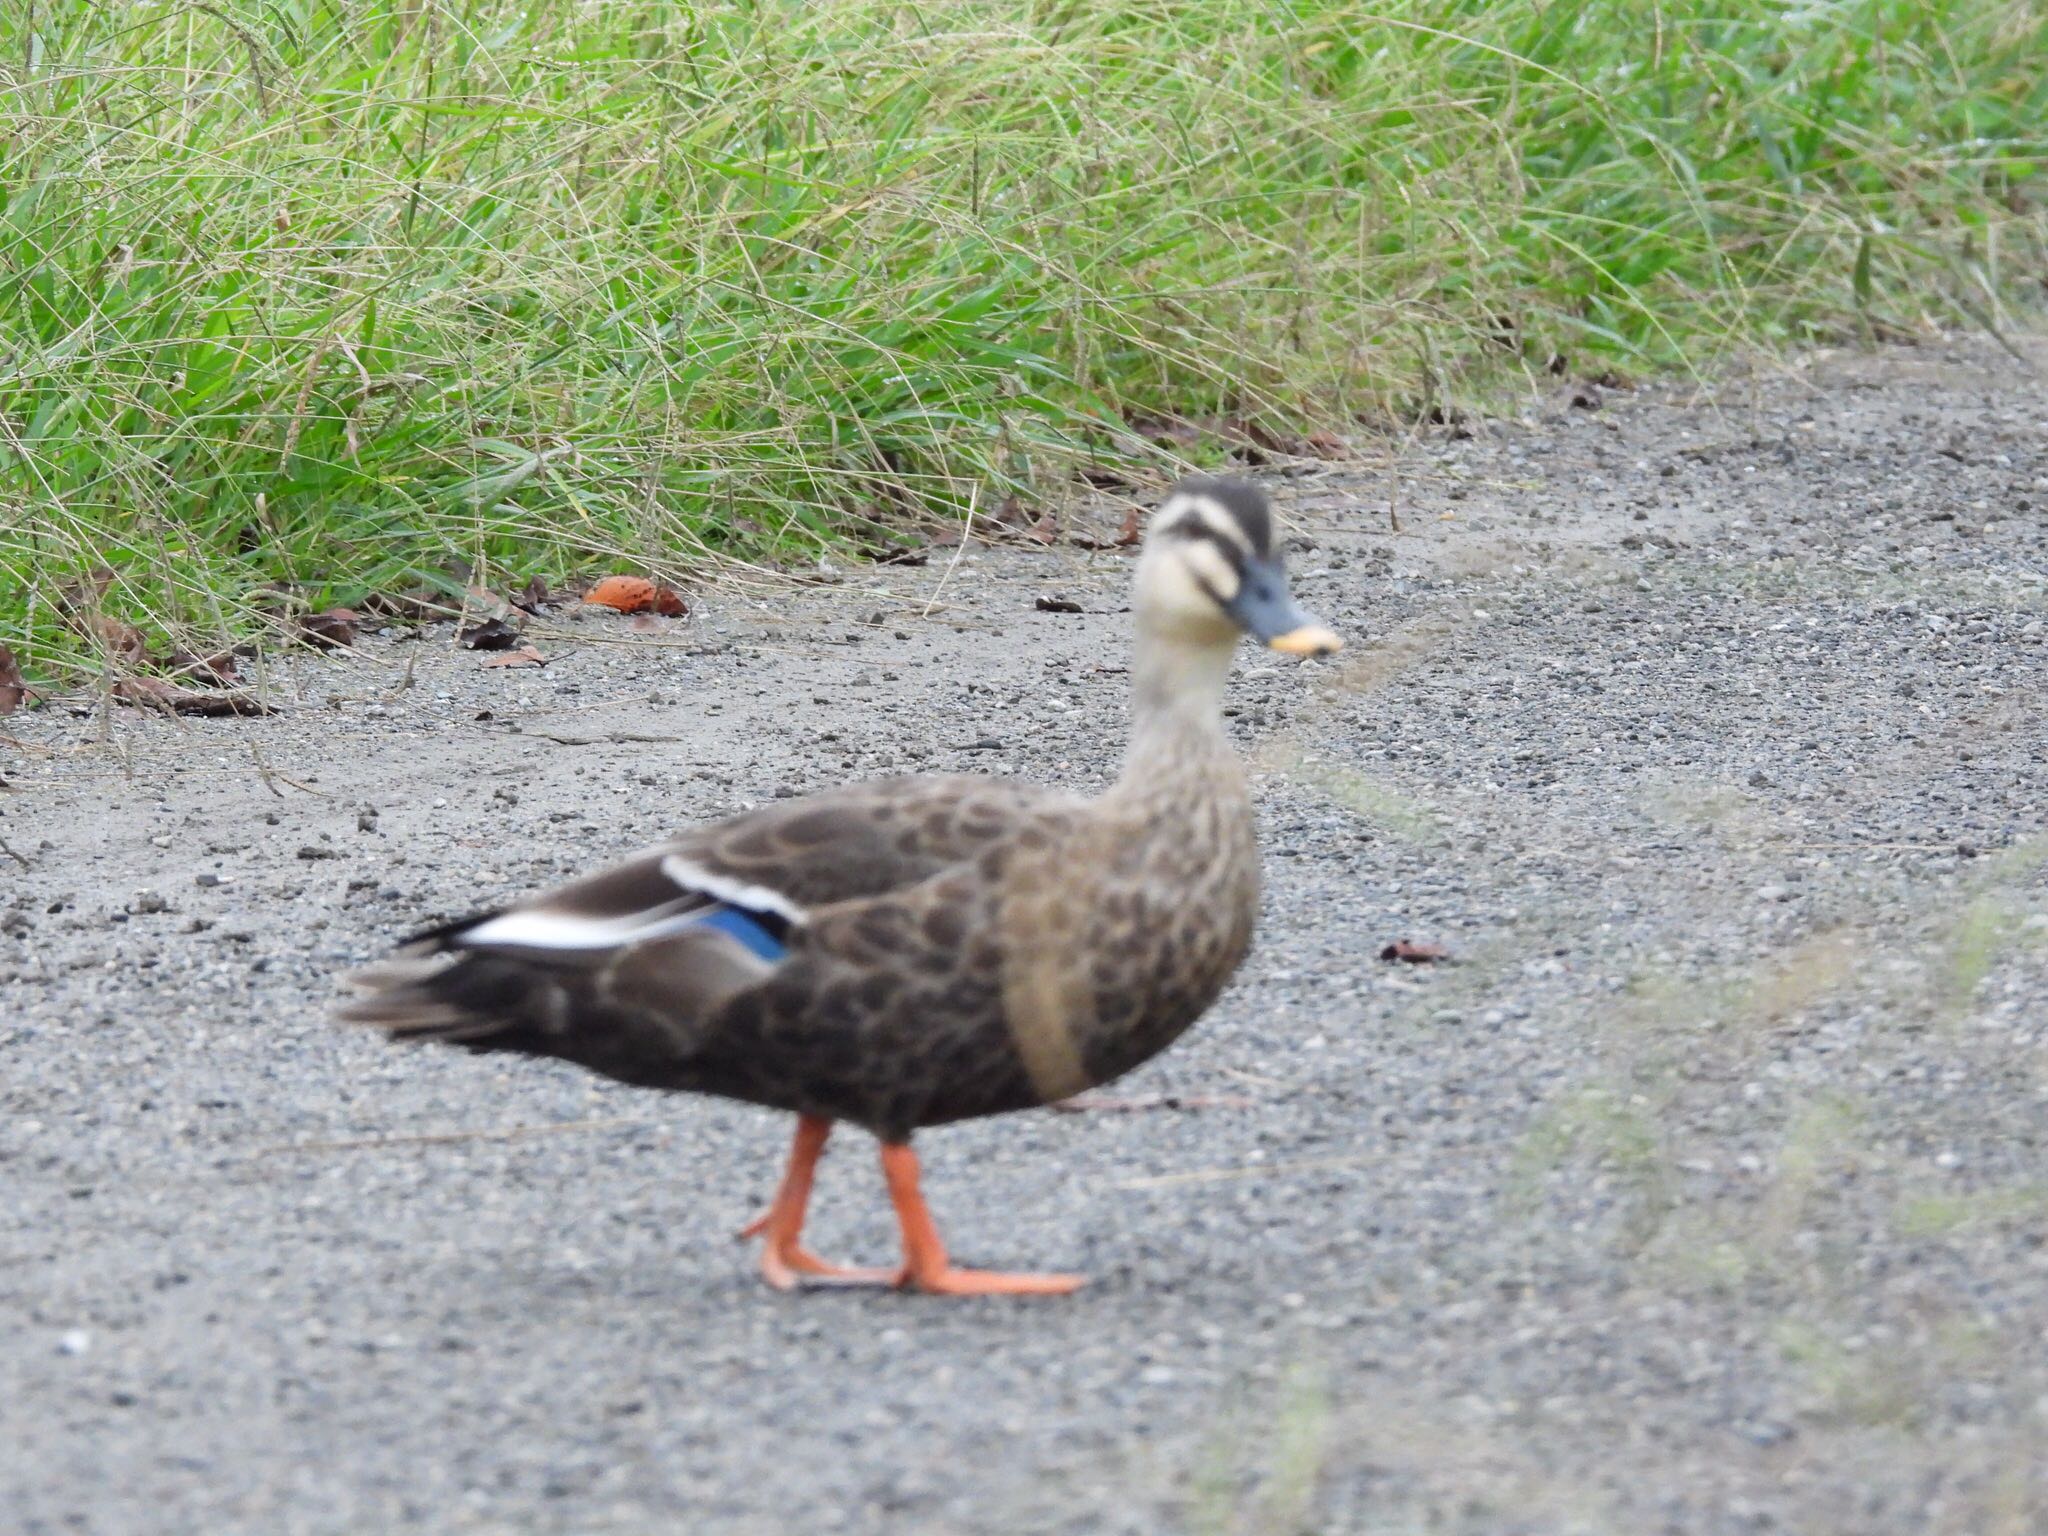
[(459, 998), (618, 972)]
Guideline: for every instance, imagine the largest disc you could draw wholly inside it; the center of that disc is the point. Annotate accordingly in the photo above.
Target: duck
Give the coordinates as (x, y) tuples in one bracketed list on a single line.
[(913, 951)]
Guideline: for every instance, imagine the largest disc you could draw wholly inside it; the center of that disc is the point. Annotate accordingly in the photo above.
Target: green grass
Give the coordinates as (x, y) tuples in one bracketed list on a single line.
[(341, 295)]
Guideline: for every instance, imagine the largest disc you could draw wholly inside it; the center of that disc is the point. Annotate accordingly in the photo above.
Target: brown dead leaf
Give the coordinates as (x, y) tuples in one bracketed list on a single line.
[(485, 602), (525, 656), (217, 669), (123, 640), (1013, 520), (533, 597), (409, 607), (1257, 442), (78, 604), (331, 630), (1414, 953), (12, 689), (82, 593), (897, 554), (1249, 442), (1057, 604), (1126, 535), (1166, 431), (155, 693), (491, 635)]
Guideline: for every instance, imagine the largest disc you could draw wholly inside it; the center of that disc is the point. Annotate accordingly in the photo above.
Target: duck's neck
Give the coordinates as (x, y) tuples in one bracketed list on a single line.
[(1176, 708)]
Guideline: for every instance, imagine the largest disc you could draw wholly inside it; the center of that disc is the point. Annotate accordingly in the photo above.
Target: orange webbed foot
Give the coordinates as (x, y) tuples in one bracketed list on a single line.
[(925, 1265), (951, 1281), (793, 1268), (785, 1263)]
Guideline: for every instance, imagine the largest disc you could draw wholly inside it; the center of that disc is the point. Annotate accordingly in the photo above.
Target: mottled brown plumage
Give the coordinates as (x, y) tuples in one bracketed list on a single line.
[(912, 951)]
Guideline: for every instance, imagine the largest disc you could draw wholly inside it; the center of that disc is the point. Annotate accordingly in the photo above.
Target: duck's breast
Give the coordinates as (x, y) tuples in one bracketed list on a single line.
[(1111, 953)]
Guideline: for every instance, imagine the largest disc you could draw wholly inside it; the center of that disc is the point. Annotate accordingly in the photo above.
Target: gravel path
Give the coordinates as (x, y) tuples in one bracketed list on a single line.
[(1706, 1193)]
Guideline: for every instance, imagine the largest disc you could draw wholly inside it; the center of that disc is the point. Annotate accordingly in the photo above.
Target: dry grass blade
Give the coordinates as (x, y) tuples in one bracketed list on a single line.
[(1245, 1171), (452, 1138)]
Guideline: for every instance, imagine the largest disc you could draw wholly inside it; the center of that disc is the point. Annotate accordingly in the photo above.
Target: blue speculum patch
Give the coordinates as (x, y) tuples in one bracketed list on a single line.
[(747, 929)]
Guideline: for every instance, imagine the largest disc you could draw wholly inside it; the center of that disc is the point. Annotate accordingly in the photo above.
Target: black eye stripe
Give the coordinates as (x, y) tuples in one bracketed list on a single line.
[(1194, 530), (1239, 500)]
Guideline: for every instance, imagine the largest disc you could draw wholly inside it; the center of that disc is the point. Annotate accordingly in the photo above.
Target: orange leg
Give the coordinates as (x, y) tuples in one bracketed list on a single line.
[(785, 1262), (925, 1266)]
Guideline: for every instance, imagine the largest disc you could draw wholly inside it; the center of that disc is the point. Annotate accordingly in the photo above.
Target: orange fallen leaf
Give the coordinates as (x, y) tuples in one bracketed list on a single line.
[(525, 656), (636, 594)]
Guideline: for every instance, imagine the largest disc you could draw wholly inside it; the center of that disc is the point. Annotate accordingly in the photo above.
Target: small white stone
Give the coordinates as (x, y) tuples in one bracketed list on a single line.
[(76, 1341)]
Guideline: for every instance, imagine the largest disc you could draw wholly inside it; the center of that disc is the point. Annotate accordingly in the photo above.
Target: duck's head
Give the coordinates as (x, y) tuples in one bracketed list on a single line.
[(1210, 572)]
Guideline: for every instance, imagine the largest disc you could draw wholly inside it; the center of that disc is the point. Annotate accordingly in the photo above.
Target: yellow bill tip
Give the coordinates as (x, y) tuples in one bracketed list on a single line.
[(1309, 640)]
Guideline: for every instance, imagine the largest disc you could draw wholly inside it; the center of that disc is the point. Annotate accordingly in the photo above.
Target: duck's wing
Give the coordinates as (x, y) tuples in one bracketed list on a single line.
[(865, 839), (621, 969), (838, 845)]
